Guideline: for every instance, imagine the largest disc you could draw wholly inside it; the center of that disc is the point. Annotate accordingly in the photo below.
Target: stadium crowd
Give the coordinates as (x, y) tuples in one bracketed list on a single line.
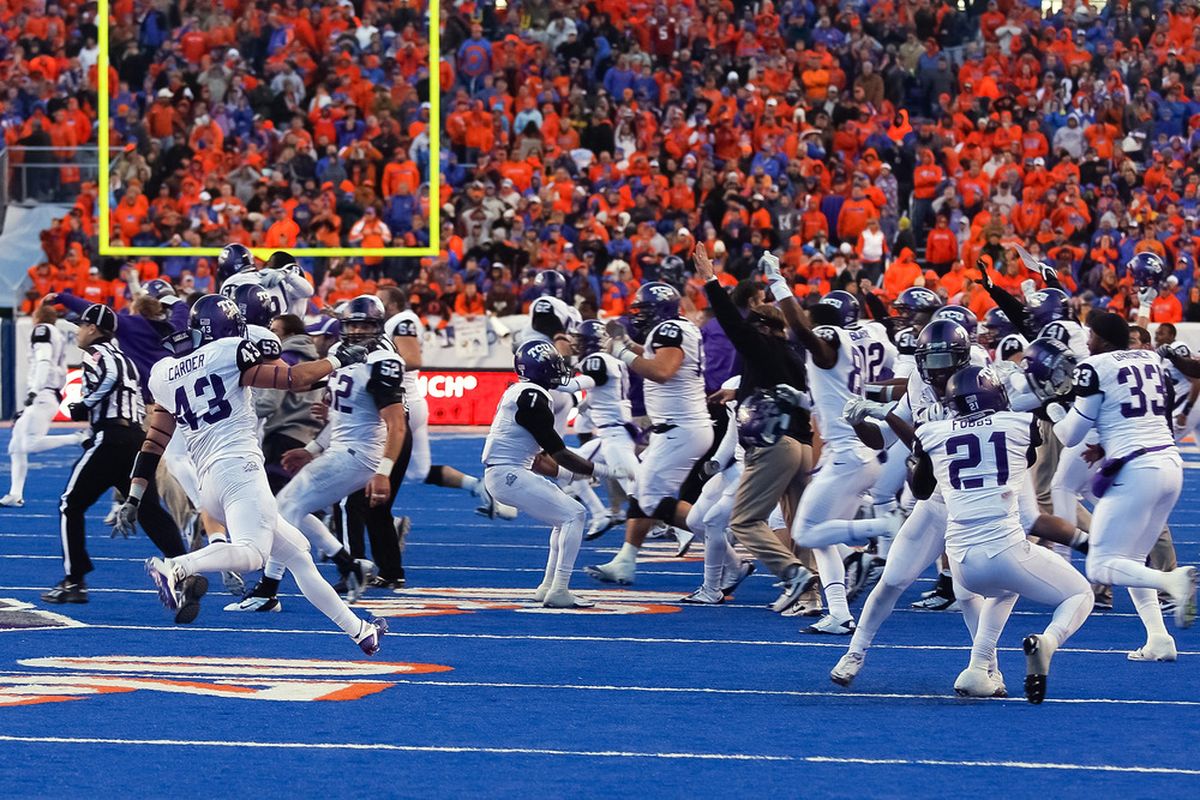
[(874, 146)]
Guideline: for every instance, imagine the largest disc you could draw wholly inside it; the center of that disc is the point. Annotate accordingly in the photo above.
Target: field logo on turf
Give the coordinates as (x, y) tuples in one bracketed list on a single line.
[(65, 678), (435, 602)]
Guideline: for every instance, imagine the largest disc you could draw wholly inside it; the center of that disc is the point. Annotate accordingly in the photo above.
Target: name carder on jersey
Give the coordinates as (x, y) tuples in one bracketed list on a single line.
[(356, 395), (1136, 405), (680, 400), (203, 390)]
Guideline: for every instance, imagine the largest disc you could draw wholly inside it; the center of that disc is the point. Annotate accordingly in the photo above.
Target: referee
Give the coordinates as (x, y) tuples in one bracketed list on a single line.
[(112, 402)]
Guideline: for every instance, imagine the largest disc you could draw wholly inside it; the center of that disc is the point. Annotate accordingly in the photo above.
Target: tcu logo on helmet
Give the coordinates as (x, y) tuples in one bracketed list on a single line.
[(920, 295), (661, 292), (953, 315)]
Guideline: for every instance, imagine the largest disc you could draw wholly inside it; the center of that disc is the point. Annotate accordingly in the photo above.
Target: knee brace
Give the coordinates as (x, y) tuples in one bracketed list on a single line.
[(435, 476), (665, 510)]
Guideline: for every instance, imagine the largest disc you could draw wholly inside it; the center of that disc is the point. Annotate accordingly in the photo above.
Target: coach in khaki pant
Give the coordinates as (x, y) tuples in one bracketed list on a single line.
[(775, 473)]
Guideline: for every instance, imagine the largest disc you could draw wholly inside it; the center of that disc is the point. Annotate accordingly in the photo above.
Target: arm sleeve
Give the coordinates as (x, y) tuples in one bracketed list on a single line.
[(297, 286), (580, 383), (727, 449), (535, 415), (594, 367), (73, 303), (1014, 309), (874, 305), (924, 481), (43, 357), (386, 384), (1072, 428), (743, 337)]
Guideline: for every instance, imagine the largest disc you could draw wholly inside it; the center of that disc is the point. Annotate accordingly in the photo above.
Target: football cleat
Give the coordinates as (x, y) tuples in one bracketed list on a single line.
[(191, 589), (1183, 592), (255, 603), (12, 501), (371, 635), (599, 526), (563, 598), (1156, 648), (1037, 666), (166, 577), (847, 668), (939, 598), (683, 541), (66, 591), (799, 582), (233, 583), (620, 572), (804, 607), (359, 578), (978, 682), (730, 585), (539, 594), (870, 571), (832, 626), (705, 596), (388, 584)]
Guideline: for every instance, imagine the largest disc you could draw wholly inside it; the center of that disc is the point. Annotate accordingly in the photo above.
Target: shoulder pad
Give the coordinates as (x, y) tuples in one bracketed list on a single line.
[(403, 325), (827, 332), (41, 334), (1008, 346), (386, 368), (1057, 330), (248, 355), (1086, 380), (667, 334)]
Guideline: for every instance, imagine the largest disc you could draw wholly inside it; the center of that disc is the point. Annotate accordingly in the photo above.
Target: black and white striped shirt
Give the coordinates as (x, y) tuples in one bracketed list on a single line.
[(110, 386)]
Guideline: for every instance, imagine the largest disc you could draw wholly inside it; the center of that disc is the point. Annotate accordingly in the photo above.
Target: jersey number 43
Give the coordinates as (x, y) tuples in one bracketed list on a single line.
[(208, 394)]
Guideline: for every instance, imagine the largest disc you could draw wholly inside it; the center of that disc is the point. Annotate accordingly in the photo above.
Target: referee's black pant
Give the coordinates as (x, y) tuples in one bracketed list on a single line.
[(105, 464), (381, 529)]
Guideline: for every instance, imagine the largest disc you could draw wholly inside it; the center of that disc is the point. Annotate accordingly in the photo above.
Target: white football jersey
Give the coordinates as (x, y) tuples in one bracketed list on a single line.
[(407, 323), (1070, 333), (508, 442), (1133, 414), (608, 401), (980, 465), (921, 402), (681, 400), (860, 360), (203, 390), (47, 359), (568, 316), (887, 368), (1181, 384), (356, 394), (289, 293), (266, 341), (906, 346)]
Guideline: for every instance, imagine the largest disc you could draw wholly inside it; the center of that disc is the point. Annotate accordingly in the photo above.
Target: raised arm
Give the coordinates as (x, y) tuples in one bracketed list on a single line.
[(824, 352)]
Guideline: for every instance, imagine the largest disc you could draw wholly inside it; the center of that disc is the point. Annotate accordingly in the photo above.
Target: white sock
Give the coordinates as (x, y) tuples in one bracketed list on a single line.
[(319, 536), (1146, 602), (551, 558), (469, 482), (587, 496), (20, 468), (628, 552), (570, 536), (715, 547), (835, 599), (273, 570)]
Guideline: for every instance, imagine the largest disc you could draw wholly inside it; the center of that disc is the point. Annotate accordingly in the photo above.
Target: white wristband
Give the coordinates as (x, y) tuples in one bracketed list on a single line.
[(314, 447), (599, 471), (628, 356), (386, 465), (779, 290), (335, 362)]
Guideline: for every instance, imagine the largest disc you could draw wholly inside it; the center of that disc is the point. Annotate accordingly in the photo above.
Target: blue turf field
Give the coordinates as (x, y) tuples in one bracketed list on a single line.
[(642, 698)]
